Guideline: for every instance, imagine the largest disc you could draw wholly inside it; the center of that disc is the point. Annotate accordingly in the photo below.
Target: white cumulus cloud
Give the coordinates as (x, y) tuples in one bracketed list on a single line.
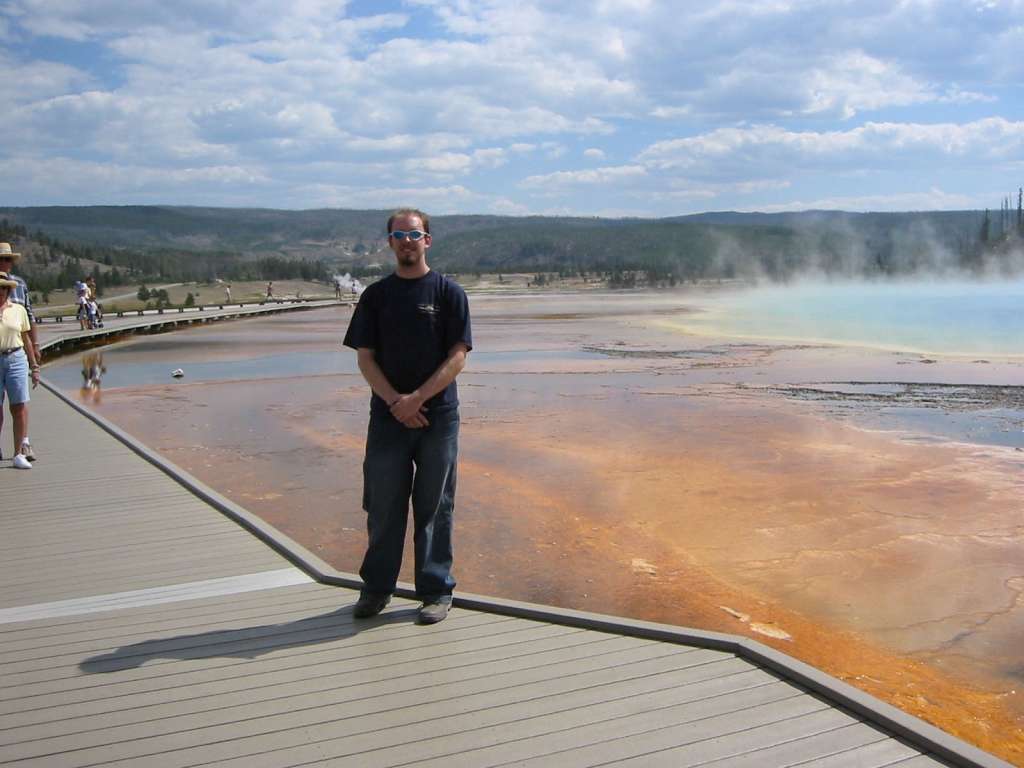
[(595, 176), (765, 149), (512, 105)]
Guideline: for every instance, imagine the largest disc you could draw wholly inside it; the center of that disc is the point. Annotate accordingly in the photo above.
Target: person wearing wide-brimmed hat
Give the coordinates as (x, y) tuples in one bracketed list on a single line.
[(16, 352), (20, 295)]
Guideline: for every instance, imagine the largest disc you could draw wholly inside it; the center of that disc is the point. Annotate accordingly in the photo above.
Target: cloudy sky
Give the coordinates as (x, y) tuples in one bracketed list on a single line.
[(604, 107)]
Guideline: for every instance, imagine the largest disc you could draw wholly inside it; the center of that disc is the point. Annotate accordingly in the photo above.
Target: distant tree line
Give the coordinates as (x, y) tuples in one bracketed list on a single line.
[(1007, 226), (666, 252), (136, 245), (57, 263)]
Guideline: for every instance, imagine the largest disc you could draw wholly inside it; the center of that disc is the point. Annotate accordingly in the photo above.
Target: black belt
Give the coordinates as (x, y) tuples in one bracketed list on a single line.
[(9, 351)]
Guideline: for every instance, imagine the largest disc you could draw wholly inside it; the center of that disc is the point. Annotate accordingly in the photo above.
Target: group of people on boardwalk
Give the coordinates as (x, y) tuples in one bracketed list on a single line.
[(90, 313), (19, 354)]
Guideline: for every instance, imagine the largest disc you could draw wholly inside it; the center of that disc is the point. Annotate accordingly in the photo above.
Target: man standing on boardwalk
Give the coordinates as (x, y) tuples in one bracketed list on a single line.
[(412, 334)]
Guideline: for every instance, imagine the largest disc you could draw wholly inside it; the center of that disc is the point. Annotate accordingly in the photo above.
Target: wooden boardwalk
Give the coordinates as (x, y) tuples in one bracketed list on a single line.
[(64, 337), (142, 623)]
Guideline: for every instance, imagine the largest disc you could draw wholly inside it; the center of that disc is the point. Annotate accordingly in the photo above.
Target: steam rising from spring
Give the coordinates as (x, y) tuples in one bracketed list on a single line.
[(349, 284), (841, 250)]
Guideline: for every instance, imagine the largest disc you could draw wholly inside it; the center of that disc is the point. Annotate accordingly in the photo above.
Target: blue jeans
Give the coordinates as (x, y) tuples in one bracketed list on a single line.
[(402, 462)]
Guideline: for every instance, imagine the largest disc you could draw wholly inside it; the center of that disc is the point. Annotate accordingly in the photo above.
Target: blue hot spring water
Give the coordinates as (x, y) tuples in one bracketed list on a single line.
[(955, 318)]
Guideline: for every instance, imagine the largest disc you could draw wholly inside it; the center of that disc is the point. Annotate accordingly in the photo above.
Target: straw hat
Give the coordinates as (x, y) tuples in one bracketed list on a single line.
[(5, 250), (6, 282)]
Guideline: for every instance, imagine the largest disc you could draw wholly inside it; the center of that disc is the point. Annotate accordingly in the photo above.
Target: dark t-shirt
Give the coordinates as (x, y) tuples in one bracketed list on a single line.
[(411, 325)]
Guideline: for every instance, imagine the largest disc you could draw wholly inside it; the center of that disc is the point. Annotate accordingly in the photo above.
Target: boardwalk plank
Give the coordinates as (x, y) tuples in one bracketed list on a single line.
[(209, 610), (389, 641), (875, 755), (414, 721), (140, 532), (601, 720), (208, 647), (297, 668), (792, 752), (920, 761), (166, 571), (706, 737), (62, 634), (144, 504), (255, 712), (333, 626), (138, 538), (536, 652), (142, 552), (221, 550), (747, 743)]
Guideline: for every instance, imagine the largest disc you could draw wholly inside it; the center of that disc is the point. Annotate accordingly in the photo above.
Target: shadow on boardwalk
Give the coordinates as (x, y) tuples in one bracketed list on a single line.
[(243, 643)]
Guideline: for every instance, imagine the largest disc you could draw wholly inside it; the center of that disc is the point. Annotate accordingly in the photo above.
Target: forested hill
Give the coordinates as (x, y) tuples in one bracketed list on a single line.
[(725, 244), (240, 230), (777, 246)]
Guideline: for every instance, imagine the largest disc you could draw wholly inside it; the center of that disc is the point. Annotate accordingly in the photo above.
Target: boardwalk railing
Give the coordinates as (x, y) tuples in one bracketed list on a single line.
[(72, 317), (57, 341)]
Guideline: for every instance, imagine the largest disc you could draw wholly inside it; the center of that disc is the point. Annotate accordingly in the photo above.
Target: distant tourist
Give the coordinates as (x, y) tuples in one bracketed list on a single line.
[(337, 289), (95, 308), (17, 358), (227, 293), (20, 295), (88, 309), (270, 290), (411, 331), (82, 304)]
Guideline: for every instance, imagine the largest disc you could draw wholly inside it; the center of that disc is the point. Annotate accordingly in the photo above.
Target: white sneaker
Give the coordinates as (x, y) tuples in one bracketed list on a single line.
[(26, 450), (20, 462)]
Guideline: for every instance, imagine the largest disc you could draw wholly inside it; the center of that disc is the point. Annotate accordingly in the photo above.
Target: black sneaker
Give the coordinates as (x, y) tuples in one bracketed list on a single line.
[(433, 611), (369, 605)]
